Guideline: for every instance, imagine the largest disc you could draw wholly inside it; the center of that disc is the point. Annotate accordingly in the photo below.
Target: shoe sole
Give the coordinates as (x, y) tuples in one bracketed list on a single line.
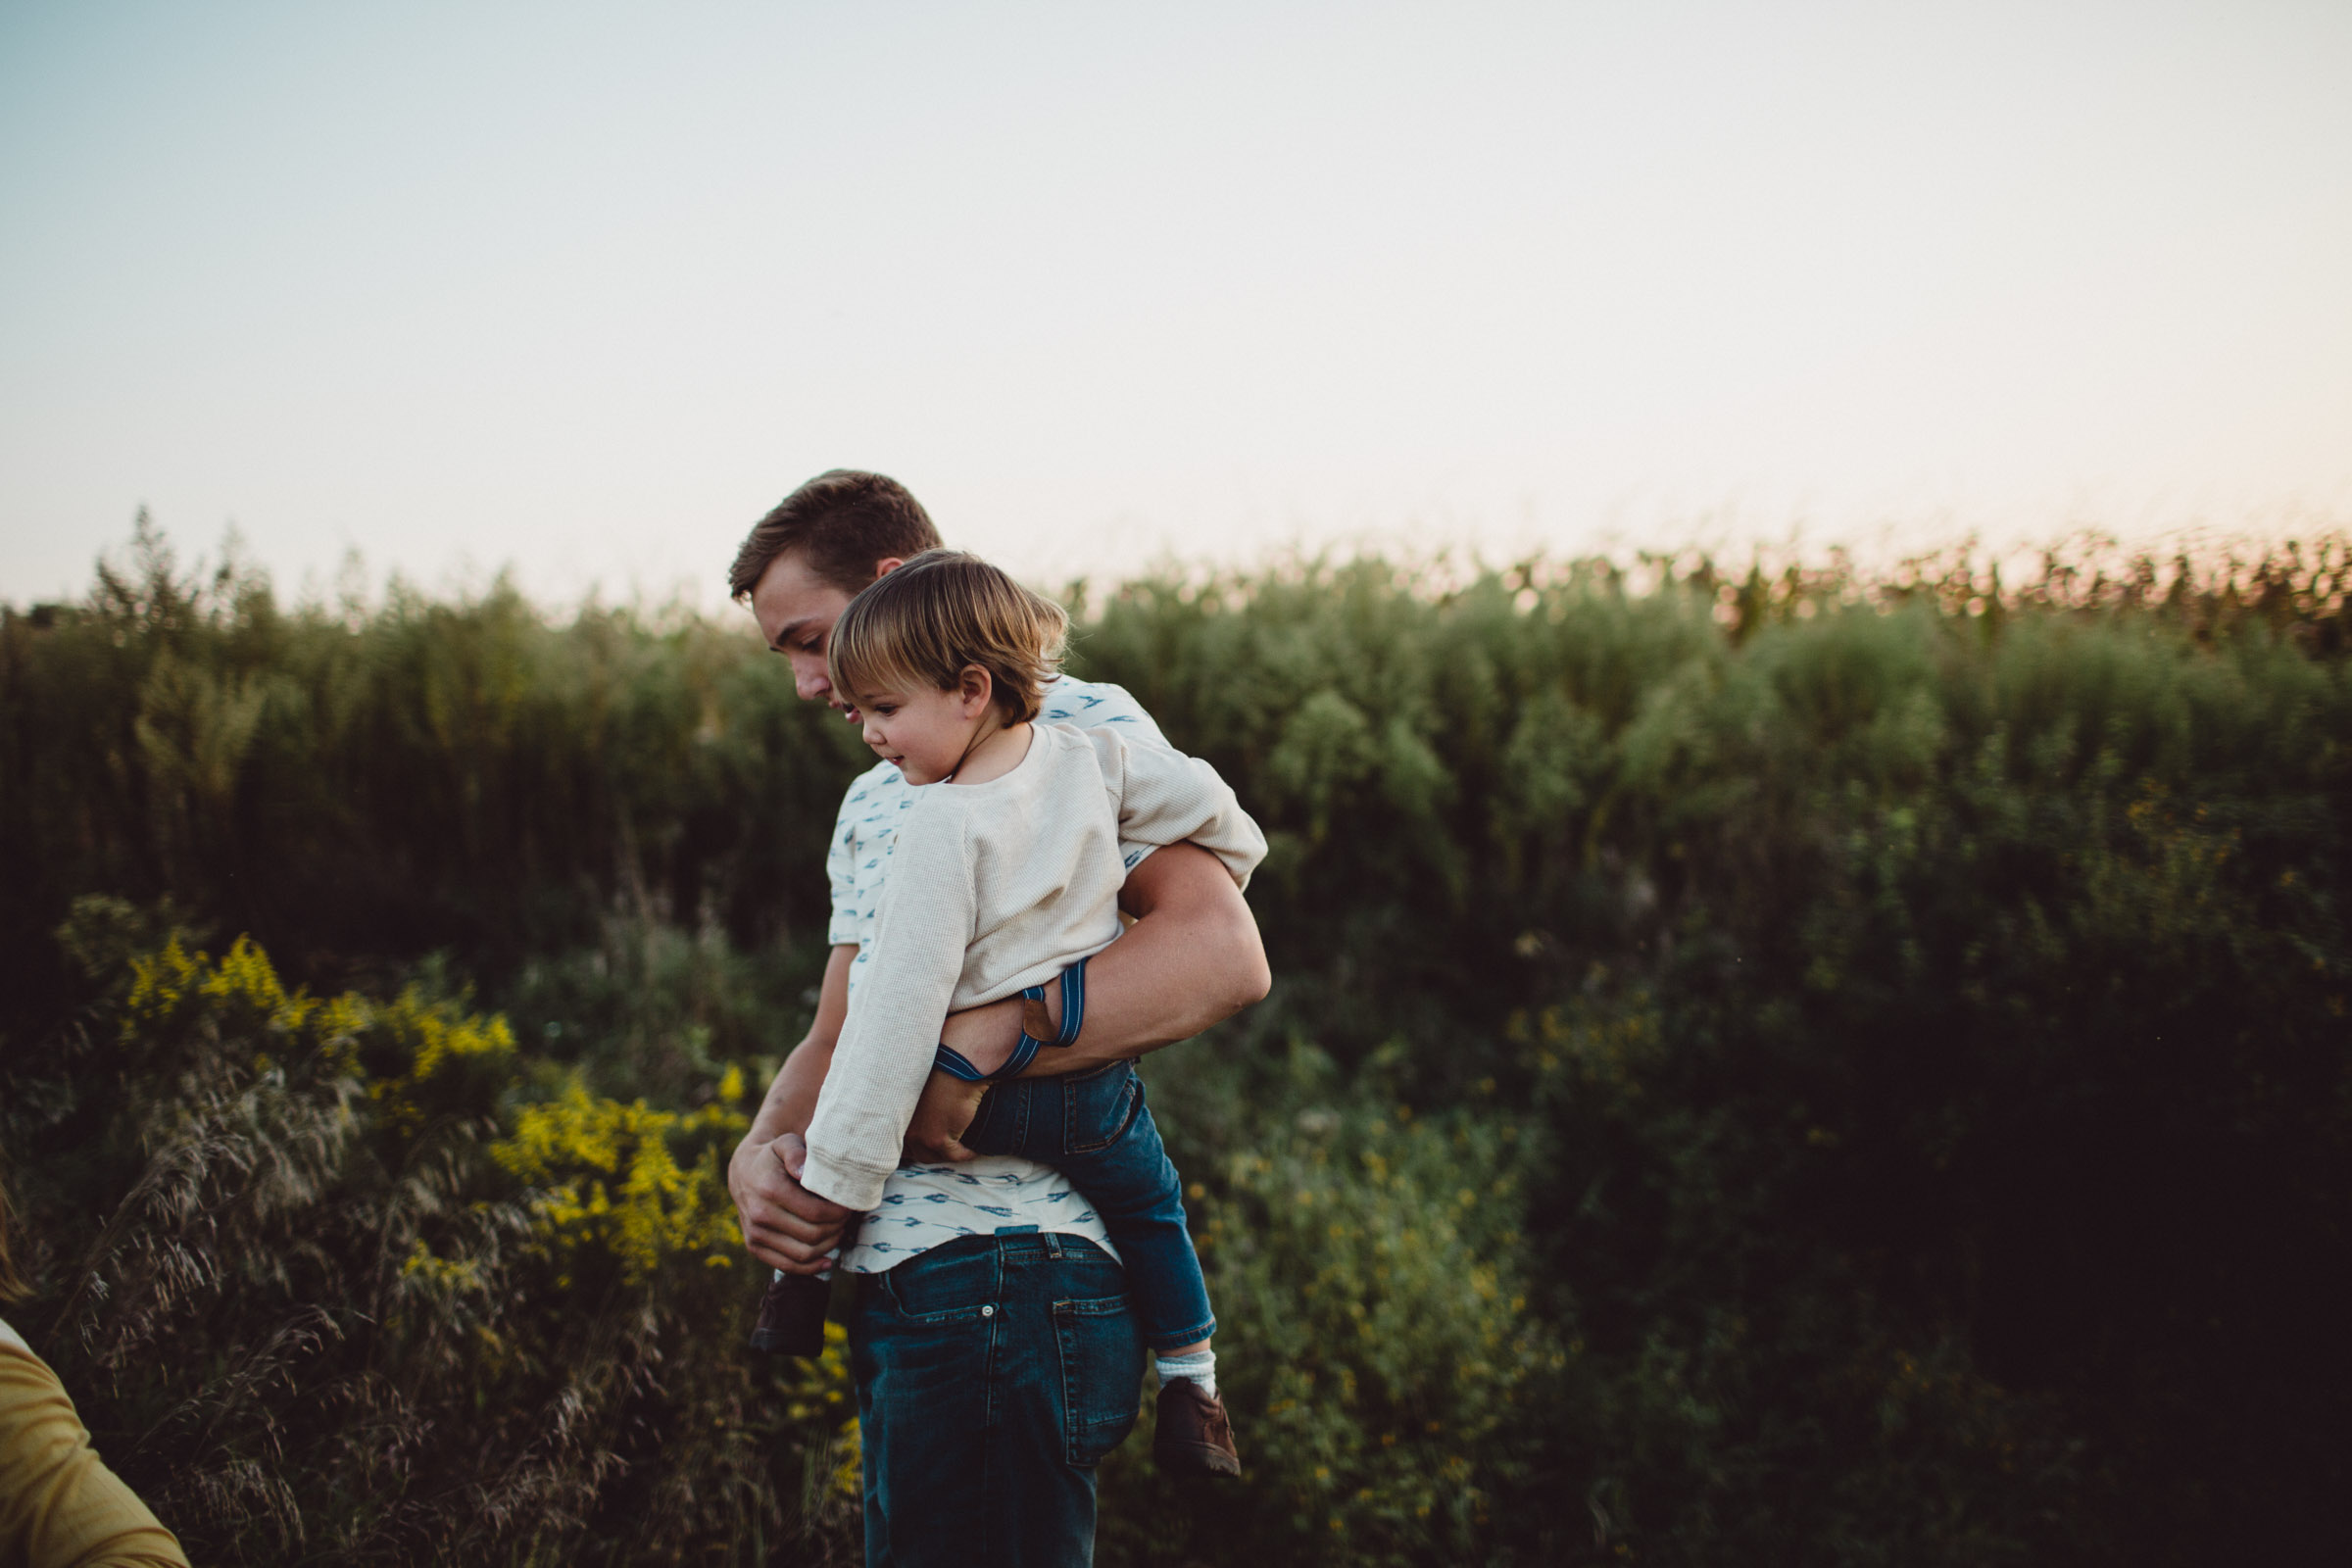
[(1199, 1461)]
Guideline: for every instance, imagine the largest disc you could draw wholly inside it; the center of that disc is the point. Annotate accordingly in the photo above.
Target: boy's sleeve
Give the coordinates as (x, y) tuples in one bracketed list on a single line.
[(906, 984), (1103, 705), (1165, 797)]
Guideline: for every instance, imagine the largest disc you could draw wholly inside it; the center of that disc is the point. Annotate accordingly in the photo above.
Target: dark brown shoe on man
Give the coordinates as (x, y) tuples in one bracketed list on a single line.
[(1194, 1437)]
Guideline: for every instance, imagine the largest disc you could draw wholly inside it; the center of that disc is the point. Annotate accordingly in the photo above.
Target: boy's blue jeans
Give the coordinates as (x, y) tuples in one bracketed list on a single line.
[(1095, 1129), (993, 1373)]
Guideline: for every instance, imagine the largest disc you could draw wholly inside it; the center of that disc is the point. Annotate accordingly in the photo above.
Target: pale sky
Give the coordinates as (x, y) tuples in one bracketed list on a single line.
[(585, 288)]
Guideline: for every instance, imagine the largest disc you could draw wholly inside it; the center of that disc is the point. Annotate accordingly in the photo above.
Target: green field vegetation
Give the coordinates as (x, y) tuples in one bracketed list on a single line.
[(1763, 1068)]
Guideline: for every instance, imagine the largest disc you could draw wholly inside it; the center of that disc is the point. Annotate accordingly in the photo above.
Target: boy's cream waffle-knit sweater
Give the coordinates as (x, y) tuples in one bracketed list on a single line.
[(994, 888)]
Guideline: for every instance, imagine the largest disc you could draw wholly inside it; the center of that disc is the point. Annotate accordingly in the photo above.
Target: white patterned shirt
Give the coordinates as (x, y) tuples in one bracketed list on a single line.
[(924, 1205)]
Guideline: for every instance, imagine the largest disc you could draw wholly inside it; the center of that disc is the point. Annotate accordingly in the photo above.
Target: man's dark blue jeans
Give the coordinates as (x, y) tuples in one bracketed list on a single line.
[(993, 1373), (1095, 1129)]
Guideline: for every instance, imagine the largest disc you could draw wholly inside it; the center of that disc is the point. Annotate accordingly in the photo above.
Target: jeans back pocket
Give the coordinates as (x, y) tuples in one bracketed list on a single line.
[(953, 1281), (1099, 1107), (985, 1135), (1102, 1375)]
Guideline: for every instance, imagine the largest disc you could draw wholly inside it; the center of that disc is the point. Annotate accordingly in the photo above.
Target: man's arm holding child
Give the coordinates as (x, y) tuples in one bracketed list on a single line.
[(1193, 959), (1193, 956), (784, 1224)]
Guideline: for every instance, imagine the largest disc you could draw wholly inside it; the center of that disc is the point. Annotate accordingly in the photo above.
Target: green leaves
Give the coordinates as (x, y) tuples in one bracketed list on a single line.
[(1907, 1017), (352, 1284)]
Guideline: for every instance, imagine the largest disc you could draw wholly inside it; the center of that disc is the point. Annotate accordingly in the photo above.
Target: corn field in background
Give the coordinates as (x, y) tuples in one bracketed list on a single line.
[(1811, 1067)]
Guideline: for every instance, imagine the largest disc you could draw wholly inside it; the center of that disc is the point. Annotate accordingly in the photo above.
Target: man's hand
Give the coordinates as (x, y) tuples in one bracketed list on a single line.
[(784, 1224), (941, 1116)]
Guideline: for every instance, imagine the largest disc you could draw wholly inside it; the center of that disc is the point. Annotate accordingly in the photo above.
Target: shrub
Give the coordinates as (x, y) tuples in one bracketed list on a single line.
[(366, 1284), (1376, 1340), (1916, 1004)]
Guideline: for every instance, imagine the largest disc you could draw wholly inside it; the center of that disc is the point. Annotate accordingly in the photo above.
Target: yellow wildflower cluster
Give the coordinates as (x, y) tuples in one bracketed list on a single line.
[(446, 1273), (821, 1393), (168, 985), (414, 1045), (1599, 1050), (646, 1187), (427, 1053), (612, 1180), (162, 983)]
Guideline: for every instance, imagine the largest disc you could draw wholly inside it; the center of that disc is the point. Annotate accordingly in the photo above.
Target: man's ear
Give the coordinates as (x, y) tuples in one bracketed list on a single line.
[(888, 565)]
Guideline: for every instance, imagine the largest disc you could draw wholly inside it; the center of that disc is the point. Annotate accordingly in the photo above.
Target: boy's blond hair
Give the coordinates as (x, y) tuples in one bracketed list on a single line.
[(938, 615)]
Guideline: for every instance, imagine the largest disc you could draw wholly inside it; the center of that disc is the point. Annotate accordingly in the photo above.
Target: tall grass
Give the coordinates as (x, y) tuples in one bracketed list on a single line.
[(362, 1285), (1765, 1066)]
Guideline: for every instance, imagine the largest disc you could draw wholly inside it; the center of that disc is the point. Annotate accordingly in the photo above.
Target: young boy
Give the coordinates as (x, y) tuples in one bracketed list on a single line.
[(1006, 874)]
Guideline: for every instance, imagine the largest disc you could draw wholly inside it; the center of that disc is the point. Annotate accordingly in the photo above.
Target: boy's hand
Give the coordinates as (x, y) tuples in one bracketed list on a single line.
[(986, 1036), (936, 1130)]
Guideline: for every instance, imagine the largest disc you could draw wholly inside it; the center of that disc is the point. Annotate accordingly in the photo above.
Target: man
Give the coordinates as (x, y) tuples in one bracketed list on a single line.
[(996, 1357)]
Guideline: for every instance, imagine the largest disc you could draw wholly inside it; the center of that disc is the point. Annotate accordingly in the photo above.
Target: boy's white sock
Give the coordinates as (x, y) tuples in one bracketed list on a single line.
[(1200, 1366)]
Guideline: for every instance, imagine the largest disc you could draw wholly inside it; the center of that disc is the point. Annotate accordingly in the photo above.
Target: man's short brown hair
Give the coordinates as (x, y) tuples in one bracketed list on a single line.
[(938, 615), (842, 520)]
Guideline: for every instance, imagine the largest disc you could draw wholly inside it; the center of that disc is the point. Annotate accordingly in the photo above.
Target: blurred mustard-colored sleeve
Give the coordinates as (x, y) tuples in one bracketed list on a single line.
[(60, 1506)]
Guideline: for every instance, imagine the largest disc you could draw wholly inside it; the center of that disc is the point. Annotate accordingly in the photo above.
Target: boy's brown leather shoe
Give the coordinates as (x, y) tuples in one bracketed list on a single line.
[(1194, 1437)]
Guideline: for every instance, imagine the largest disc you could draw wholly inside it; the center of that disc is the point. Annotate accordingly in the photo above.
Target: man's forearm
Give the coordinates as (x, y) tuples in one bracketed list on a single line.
[(791, 1098), (1193, 959), (784, 1224)]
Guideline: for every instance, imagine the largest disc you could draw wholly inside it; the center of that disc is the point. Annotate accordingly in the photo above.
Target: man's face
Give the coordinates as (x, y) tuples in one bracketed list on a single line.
[(795, 610)]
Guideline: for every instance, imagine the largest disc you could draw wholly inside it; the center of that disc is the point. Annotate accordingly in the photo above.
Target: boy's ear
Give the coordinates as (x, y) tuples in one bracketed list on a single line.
[(974, 688)]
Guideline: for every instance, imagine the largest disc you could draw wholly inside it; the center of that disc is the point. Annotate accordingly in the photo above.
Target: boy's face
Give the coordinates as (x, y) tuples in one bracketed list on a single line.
[(795, 610), (924, 730)]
